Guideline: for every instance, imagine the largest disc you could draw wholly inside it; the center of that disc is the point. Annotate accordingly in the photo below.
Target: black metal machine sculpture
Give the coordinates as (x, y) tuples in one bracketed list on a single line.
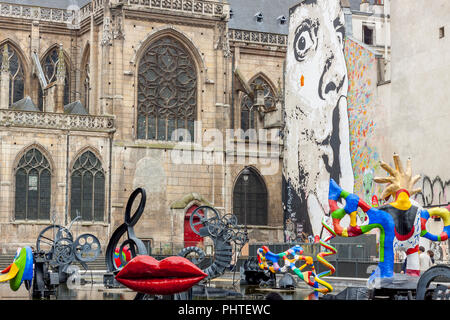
[(206, 221), (55, 252)]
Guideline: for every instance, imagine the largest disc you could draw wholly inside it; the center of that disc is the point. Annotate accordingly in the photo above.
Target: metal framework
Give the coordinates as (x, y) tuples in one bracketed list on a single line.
[(167, 91)]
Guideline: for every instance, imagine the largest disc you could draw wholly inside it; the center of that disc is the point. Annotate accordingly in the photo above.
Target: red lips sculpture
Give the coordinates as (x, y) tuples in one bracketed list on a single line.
[(171, 275)]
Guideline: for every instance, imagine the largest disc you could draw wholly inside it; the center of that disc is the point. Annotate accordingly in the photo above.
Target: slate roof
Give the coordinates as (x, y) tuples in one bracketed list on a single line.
[(244, 14), (354, 4), (25, 104), (75, 108), (245, 11)]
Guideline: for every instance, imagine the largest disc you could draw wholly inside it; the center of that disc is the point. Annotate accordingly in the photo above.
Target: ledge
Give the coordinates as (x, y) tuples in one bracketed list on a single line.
[(61, 121)]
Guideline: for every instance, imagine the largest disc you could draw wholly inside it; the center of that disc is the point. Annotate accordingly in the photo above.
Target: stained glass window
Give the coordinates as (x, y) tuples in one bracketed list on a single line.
[(16, 84), (33, 187), (248, 112), (50, 67), (167, 91), (250, 200), (87, 188)]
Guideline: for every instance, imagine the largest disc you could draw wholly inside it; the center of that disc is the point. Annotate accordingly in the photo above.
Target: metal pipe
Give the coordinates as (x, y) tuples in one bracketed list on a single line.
[(66, 210)]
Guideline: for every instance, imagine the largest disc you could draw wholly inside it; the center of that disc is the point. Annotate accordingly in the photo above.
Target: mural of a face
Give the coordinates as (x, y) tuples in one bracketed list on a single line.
[(316, 130)]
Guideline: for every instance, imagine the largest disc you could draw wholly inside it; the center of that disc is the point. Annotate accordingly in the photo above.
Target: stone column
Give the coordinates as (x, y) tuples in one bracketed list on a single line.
[(60, 77), (4, 79)]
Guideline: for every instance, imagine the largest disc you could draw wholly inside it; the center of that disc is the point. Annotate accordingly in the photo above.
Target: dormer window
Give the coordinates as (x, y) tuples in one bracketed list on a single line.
[(282, 20), (259, 17)]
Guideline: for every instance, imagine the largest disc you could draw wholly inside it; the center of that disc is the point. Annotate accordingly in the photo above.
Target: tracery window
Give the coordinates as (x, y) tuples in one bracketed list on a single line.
[(33, 187), (167, 91), (250, 199), (87, 188), (248, 111), (16, 83), (50, 67)]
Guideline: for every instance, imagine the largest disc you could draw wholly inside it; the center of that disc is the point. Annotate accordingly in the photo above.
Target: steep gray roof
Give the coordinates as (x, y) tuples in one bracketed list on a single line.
[(75, 108), (25, 104), (58, 4), (354, 4), (244, 15)]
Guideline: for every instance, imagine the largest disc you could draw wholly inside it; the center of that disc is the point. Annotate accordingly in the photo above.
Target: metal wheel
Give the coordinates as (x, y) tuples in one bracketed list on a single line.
[(194, 254), (63, 252), (439, 271), (240, 238), (87, 247), (49, 236), (209, 216), (216, 227), (230, 220)]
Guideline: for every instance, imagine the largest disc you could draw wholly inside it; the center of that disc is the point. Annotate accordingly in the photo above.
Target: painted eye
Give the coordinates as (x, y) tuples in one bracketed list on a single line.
[(302, 43), (341, 35)]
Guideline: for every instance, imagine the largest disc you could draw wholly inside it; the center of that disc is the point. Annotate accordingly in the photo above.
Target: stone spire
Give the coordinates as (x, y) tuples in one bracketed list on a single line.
[(60, 77), (61, 69), (4, 79)]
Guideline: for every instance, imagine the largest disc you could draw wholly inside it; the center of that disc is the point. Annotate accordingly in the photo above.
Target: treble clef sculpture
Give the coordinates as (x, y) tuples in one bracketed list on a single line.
[(136, 246)]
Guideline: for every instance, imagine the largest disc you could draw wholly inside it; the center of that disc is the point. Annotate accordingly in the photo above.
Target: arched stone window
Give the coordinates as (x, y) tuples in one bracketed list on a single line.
[(87, 188), (33, 187), (248, 112), (50, 67), (250, 199), (166, 91), (16, 83)]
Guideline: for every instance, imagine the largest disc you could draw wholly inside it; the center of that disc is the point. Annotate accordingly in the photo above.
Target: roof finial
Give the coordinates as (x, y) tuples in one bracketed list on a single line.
[(5, 59)]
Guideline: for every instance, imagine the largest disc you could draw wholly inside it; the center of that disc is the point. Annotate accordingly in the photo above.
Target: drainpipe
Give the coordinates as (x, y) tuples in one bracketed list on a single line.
[(109, 178), (232, 89), (66, 211)]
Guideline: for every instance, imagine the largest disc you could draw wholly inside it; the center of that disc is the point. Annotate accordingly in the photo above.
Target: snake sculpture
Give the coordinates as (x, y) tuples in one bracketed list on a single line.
[(206, 221)]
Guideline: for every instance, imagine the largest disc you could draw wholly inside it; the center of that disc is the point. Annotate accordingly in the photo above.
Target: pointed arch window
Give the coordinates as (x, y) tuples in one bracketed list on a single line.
[(250, 199), (16, 83), (50, 67), (87, 188), (33, 187), (167, 91), (248, 111)]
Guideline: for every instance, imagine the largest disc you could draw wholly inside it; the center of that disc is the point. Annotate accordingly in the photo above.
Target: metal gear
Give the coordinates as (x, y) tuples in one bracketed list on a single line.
[(87, 247)]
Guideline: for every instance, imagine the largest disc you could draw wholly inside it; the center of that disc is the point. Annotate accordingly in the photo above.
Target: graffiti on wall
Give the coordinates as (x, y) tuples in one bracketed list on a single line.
[(435, 191), (316, 134)]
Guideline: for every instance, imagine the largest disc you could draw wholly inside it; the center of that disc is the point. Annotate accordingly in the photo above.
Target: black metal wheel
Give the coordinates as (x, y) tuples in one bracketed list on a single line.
[(63, 253), (87, 247), (435, 272), (49, 236), (204, 216)]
